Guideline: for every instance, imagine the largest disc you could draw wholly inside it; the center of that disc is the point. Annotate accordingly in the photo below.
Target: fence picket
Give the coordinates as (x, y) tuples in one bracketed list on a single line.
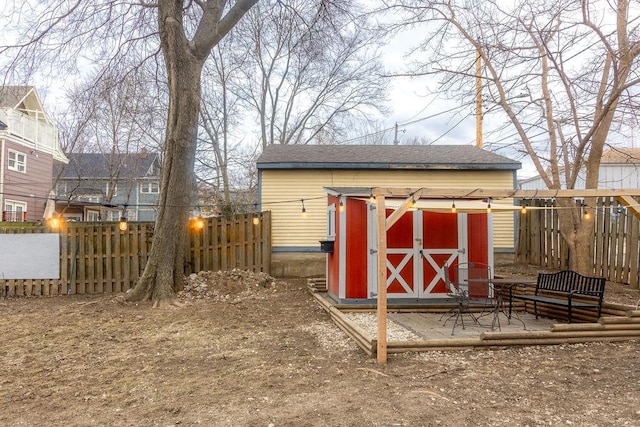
[(616, 245), (99, 258)]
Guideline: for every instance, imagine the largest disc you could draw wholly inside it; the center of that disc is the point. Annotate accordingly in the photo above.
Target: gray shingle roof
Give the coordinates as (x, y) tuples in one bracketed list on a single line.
[(382, 157), (103, 166)]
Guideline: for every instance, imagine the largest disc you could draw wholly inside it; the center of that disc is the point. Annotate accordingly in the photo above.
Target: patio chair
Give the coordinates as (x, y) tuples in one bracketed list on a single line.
[(471, 289), (481, 292)]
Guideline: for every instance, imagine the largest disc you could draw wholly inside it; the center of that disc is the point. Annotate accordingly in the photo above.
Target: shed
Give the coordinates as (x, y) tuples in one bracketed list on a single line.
[(293, 177), (434, 235)]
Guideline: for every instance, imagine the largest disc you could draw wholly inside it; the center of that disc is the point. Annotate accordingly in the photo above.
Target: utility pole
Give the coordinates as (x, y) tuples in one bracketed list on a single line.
[(478, 99), (395, 138)]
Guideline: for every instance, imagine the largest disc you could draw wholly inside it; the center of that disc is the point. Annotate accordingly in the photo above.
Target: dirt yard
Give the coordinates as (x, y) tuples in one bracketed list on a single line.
[(246, 351)]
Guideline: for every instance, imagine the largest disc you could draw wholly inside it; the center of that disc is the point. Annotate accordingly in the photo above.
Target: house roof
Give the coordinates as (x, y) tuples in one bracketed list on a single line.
[(12, 96), (382, 157), (621, 156), (105, 166)]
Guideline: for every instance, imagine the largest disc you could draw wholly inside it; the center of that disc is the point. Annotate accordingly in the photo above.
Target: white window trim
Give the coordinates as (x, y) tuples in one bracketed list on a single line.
[(113, 185), (17, 164), (147, 187), (14, 204), (331, 222)]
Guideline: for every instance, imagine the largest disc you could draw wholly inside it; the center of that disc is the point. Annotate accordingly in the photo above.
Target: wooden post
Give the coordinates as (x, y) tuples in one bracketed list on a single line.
[(381, 349)]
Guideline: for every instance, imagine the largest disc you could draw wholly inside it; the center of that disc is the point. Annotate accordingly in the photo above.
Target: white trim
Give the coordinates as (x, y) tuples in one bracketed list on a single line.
[(372, 258), (396, 270), (15, 203), (418, 243), (2, 160), (16, 167), (331, 221), (342, 261), (428, 256), (149, 186)]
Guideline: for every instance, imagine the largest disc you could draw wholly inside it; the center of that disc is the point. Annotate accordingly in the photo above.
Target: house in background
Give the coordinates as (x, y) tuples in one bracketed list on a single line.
[(104, 187), (292, 181), (29, 149), (619, 168)]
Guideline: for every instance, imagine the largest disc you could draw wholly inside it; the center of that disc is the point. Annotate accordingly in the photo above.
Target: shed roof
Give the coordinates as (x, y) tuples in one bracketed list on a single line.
[(382, 157)]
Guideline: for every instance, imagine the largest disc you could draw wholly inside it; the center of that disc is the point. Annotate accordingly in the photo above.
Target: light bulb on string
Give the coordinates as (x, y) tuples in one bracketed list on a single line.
[(123, 225), (55, 222), (198, 223)]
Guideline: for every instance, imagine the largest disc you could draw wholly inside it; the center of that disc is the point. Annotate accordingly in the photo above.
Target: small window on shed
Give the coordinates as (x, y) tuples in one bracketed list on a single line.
[(331, 221)]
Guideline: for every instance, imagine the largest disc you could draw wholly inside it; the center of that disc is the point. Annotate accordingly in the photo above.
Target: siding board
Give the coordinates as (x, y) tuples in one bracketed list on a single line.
[(282, 190)]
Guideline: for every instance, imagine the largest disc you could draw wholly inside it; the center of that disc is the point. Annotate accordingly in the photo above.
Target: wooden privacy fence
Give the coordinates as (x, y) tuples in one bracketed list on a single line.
[(615, 240), (99, 258)]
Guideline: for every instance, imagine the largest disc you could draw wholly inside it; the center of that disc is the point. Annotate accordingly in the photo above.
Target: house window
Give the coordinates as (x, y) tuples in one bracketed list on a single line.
[(129, 214), (17, 161), (92, 198), (14, 211), (331, 222), (93, 216), (114, 186), (150, 187), (61, 188)]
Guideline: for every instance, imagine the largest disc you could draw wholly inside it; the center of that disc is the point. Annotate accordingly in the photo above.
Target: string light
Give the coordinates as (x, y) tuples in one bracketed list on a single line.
[(256, 219), (55, 222), (303, 208), (453, 207), (197, 223), (123, 225), (523, 209), (489, 205)]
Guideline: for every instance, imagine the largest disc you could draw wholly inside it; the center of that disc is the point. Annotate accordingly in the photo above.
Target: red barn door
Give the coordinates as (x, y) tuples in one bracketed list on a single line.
[(443, 240), (419, 245)]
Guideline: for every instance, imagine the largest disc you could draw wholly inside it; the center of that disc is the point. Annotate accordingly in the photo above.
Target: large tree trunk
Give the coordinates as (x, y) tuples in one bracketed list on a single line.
[(164, 272), (576, 229)]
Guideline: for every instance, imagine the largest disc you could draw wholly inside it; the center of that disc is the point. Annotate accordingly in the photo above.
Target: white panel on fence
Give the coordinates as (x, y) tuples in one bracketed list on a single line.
[(30, 256)]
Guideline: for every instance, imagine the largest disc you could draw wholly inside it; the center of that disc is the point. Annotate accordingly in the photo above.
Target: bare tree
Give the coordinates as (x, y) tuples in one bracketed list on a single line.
[(114, 117), (297, 72), (185, 32), (312, 67), (563, 72), (219, 118)]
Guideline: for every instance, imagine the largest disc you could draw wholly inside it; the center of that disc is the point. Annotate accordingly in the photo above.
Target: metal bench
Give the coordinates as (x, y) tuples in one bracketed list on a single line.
[(561, 289)]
